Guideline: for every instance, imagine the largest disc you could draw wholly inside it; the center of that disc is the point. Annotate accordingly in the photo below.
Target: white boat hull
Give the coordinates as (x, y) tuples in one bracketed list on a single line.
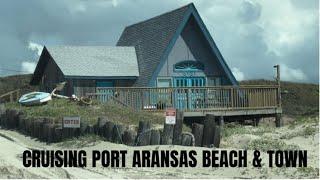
[(35, 98)]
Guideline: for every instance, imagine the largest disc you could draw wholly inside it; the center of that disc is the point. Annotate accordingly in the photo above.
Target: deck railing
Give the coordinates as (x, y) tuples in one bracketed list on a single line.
[(10, 96), (192, 98)]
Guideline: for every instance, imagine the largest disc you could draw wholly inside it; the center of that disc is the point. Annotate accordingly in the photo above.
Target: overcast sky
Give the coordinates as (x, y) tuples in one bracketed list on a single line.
[(251, 35)]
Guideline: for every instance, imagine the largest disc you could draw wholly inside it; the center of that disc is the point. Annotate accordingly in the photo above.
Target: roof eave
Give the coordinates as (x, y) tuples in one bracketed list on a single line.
[(193, 11), (100, 77)]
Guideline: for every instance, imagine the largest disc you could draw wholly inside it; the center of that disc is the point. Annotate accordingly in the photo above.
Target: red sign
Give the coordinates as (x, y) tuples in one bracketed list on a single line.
[(171, 116)]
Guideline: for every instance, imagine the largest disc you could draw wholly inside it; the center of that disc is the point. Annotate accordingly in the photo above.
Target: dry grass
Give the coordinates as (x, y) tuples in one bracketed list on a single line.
[(297, 98), (58, 108)]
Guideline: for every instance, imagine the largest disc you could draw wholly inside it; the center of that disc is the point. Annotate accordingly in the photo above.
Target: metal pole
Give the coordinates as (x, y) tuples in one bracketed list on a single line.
[(278, 116)]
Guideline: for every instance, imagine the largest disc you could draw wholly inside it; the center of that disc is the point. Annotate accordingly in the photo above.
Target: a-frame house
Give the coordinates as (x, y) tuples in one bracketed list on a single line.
[(170, 60), (175, 49)]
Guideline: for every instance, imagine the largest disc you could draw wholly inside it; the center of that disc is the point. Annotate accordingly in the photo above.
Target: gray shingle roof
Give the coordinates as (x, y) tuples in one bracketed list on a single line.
[(95, 60), (151, 38)]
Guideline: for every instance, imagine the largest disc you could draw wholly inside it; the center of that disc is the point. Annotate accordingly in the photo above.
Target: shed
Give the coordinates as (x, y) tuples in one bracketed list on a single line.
[(85, 67)]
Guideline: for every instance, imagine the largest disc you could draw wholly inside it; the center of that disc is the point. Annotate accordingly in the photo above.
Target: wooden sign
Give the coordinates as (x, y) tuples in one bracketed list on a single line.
[(171, 116), (71, 122)]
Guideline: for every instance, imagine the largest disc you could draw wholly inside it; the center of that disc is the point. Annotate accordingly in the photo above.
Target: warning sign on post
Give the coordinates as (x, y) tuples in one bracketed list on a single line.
[(71, 122), (171, 116)]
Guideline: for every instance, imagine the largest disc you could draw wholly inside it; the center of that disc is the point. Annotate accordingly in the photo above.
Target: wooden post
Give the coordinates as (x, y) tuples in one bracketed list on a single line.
[(221, 123), (107, 133), (278, 120), (197, 131), (99, 127), (186, 140), (217, 136), (57, 134), (144, 133), (22, 123), (208, 130), (28, 124), (89, 130), (83, 127), (232, 101), (155, 137), (167, 134), (256, 121), (18, 94), (177, 131), (117, 133), (278, 83), (129, 137)]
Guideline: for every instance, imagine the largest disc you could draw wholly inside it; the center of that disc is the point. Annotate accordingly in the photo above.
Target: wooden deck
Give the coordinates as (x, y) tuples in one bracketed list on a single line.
[(197, 101)]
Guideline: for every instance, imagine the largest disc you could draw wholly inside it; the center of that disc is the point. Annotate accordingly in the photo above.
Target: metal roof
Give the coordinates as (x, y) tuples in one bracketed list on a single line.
[(91, 61)]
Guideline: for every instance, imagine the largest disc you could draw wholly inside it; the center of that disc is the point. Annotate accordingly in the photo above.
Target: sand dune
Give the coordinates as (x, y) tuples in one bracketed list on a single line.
[(12, 144)]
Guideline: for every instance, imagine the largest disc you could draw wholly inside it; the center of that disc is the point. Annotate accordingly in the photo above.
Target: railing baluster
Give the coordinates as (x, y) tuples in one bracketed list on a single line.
[(189, 99)]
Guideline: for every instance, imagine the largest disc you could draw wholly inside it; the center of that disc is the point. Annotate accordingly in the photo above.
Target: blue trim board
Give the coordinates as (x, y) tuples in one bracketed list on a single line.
[(213, 46), (192, 11), (101, 77), (169, 47), (104, 83)]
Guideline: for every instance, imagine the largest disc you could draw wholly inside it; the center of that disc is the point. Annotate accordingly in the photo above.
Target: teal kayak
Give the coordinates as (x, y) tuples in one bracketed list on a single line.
[(35, 98)]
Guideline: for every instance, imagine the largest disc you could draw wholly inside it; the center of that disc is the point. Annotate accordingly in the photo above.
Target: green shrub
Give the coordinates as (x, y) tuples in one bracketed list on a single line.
[(265, 144)]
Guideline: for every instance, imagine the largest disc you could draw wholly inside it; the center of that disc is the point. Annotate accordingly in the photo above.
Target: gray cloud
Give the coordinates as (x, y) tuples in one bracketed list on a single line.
[(252, 35), (249, 11)]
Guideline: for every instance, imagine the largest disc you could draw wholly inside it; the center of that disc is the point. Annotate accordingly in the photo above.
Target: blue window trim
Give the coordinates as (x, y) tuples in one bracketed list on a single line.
[(198, 66), (105, 83)]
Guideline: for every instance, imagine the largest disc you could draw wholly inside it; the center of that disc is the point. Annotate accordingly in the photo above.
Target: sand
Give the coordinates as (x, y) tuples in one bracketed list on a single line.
[(12, 144)]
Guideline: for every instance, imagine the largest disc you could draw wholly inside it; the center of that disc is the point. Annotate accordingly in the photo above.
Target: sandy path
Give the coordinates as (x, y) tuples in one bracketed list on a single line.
[(12, 144)]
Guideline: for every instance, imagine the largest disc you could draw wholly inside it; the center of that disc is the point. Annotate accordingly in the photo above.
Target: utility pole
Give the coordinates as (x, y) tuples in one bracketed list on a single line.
[(278, 115)]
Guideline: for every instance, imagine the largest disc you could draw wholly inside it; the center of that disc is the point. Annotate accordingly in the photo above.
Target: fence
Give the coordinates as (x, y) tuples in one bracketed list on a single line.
[(192, 98)]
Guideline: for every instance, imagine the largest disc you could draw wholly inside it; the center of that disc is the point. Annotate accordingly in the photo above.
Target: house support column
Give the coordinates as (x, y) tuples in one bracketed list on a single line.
[(279, 122), (256, 121), (221, 124)]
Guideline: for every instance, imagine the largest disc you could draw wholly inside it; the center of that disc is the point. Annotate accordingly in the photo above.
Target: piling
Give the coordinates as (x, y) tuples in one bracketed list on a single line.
[(167, 134), (144, 133), (208, 130), (155, 137), (197, 131), (177, 130)]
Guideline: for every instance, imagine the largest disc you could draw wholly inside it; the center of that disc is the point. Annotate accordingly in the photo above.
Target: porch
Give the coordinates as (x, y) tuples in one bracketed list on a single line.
[(197, 101)]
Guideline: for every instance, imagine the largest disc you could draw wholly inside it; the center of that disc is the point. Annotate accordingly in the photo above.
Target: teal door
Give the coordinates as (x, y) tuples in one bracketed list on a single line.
[(187, 98), (102, 89)]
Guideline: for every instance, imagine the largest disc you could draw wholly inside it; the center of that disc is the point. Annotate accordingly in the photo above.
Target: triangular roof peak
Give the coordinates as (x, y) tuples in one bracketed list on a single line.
[(183, 8), (155, 37)]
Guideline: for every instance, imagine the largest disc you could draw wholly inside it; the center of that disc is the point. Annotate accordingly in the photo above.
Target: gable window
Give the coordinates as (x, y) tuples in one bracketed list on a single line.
[(164, 82), (189, 65)]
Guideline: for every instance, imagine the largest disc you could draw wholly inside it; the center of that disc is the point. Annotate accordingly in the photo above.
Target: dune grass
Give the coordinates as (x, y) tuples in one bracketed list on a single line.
[(58, 108)]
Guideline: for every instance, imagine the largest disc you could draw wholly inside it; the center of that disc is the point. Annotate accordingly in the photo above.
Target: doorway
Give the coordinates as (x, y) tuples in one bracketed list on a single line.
[(186, 97)]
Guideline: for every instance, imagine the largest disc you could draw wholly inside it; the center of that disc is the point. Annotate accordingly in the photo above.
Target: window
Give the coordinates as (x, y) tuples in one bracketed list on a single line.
[(189, 65), (214, 81), (164, 82)]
